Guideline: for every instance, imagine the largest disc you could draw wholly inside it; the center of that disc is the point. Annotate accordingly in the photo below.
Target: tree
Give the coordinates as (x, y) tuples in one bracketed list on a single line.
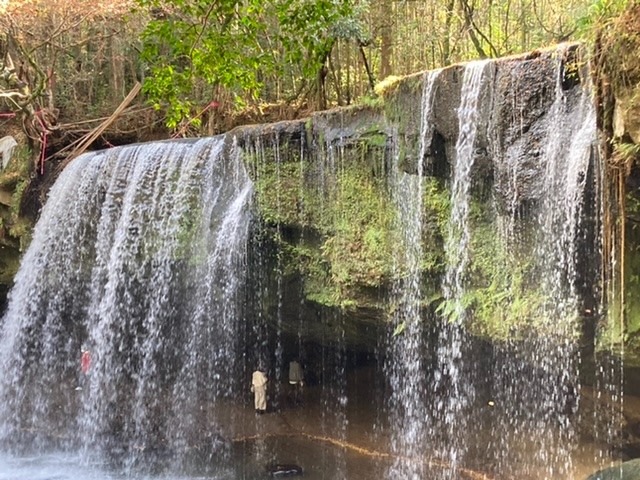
[(194, 48), (38, 37)]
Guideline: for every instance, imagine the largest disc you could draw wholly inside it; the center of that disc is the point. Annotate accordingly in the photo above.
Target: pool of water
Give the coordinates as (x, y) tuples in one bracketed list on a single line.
[(350, 445), (249, 460), (58, 466)]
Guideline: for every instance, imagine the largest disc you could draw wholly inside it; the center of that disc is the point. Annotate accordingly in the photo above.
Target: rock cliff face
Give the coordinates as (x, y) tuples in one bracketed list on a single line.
[(324, 191), (16, 214), (326, 202), (618, 77)]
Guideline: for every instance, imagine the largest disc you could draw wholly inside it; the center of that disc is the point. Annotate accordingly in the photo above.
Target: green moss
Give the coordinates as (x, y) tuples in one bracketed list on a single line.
[(358, 248), (280, 193), (502, 299), (16, 179), (19, 168), (400, 105), (340, 200), (621, 325), (387, 85), (615, 333), (375, 101), (375, 137), (15, 227), (22, 229)]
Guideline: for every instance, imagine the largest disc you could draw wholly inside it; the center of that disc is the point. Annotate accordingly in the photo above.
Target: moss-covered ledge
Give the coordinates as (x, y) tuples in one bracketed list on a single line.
[(321, 189), (16, 219), (324, 191)]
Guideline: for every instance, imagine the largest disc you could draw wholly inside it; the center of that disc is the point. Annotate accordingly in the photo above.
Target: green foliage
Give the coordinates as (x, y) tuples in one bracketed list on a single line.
[(628, 153), (630, 332), (597, 14), (400, 328), (371, 101), (18, 169), (15, 179), (316, 271), (309, 29), (621, 326), (279, 188), (194, 47), (200, 44), (359, 248), (344, 215), (437, 206), (387, 85), (502, 298), (619, 65), (347, 210)]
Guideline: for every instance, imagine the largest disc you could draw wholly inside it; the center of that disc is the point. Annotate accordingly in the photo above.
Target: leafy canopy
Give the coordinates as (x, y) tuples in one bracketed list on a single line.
[(192, 47)]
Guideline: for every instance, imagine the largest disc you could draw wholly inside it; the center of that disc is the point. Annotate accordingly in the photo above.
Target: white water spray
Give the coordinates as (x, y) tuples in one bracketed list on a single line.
[(139, 257)]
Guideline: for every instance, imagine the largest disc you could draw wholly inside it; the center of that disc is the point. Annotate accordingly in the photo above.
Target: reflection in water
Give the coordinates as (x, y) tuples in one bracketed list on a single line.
[(293, 436)]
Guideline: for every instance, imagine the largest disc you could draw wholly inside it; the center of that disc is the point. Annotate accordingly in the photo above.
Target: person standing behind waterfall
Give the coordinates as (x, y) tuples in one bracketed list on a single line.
[(259, 389), (296, 380), (85, 366)]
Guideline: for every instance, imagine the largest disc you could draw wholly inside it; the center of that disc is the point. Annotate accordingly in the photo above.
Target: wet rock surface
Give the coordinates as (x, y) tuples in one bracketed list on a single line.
[(515, 103), (329, 294), (625, 471)]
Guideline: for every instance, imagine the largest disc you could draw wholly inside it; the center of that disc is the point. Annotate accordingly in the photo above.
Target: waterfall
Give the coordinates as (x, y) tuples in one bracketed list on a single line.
[(405, 367), (436, 310), (138, 257), (458, 391), (539, 416)]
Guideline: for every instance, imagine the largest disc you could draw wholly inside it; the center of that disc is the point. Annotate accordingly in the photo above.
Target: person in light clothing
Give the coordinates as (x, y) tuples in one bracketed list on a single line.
[(259, 389)]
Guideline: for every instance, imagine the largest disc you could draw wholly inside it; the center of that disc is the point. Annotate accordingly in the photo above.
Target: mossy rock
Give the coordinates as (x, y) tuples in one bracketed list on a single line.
[(621, 42)]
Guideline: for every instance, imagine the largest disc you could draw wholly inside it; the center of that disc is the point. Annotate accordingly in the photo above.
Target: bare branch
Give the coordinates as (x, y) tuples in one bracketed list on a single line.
[(472, 29), (58, 32), (205, 21), (12, 94)]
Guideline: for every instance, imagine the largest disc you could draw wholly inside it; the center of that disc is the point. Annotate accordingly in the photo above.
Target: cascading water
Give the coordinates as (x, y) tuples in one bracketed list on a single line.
[(322, 354), (334, 397), (149, 257), (538, 416), (437, 411), (405, 366), (450, 408), (139, 257)]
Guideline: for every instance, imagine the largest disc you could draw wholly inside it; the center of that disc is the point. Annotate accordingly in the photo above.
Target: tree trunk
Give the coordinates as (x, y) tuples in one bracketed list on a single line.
[(446, 41), (385, 17)]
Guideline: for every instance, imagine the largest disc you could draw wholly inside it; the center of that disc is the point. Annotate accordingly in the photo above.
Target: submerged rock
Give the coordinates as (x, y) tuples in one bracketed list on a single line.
[(280, 470), (625, 471)]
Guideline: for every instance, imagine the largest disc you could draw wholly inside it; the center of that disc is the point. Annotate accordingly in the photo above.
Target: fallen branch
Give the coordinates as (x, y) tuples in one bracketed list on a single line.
[(127, 111), (12, 94), (86, 141)]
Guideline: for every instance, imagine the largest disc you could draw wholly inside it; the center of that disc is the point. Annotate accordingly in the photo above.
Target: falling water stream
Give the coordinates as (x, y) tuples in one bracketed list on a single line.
[(406, 363), (450, 410), (550, 356), (139, 259)]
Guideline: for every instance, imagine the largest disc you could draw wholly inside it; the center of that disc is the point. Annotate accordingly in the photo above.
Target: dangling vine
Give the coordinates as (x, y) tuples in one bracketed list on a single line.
[(616, 76)]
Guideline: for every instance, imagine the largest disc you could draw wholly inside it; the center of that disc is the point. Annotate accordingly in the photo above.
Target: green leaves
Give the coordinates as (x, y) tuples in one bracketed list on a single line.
[(196, 45), (193, 48), (400, 328)]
